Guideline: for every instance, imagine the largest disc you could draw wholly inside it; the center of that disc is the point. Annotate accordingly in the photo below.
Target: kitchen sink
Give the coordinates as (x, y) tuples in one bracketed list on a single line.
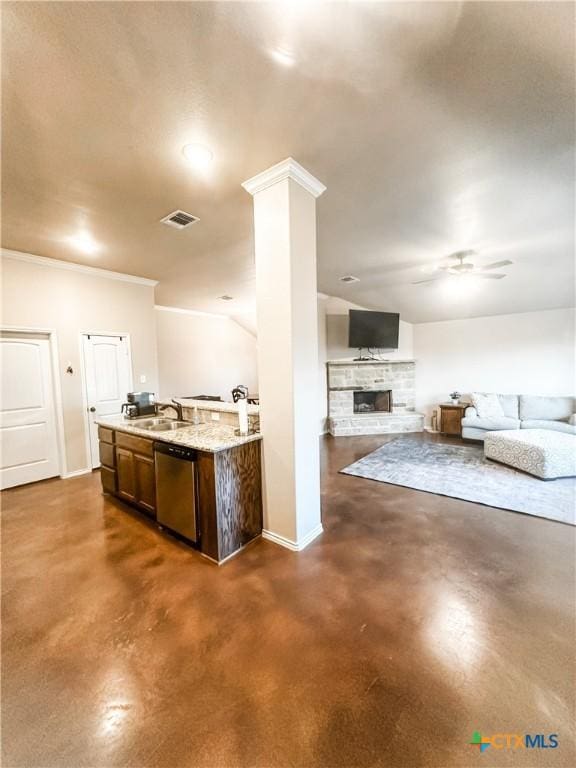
[(149, 423), (165, 425)]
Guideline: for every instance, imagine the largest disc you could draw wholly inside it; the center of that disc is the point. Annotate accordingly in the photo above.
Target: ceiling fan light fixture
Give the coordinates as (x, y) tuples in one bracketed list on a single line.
[(283, 56), (198, 156)]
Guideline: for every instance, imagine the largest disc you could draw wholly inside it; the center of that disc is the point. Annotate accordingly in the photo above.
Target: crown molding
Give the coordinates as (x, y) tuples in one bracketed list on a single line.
[(180, 311), (44, 261), (286, 169)]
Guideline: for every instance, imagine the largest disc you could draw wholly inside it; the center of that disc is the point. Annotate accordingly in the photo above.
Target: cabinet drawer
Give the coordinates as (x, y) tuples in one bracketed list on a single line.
[(108, 478), (107, 454), (137, 444), (106, 435)]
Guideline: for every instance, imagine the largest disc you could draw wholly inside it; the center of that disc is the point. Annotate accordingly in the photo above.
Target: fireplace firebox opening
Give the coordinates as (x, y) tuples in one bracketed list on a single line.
[(378, 401)]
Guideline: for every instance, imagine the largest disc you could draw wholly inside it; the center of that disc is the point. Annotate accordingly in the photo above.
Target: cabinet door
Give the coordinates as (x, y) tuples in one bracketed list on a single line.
[(108, 478), (145, 482), (451, 421), (125, 474)]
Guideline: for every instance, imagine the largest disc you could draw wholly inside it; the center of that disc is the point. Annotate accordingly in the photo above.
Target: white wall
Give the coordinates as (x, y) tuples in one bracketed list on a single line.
[(203, 355), (322, 358), (44, 295), (527, 353)]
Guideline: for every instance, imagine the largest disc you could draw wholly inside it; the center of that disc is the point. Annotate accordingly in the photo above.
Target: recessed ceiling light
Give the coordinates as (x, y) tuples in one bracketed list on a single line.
[(349, 279), (198, 155), (283, 56), (85, 243), (226, 297)]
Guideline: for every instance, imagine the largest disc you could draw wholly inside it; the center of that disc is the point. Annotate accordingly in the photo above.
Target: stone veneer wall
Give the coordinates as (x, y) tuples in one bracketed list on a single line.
[(346, 377), (226, 418)]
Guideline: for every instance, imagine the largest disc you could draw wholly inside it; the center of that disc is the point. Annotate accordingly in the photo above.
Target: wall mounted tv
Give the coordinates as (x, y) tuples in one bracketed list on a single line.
[(373, 330)]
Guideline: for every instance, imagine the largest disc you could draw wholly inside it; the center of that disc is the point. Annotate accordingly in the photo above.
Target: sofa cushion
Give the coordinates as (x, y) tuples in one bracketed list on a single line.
[(502, 422), (556, 426), (487, 405), (539, 407), (469, 433), (510, 405)]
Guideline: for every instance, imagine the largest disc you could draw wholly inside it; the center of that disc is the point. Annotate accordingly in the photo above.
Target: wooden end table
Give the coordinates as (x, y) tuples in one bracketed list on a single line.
[(451, 415)]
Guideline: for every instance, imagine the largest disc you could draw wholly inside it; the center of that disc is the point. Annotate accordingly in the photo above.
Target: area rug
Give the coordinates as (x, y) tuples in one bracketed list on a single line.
[(462, 472)]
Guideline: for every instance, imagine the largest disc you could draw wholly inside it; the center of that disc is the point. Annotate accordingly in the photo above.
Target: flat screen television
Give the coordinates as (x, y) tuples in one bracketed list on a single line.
[(377, 330)]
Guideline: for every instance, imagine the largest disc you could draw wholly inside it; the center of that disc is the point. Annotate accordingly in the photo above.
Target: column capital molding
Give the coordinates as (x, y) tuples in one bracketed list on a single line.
[(286, 169)]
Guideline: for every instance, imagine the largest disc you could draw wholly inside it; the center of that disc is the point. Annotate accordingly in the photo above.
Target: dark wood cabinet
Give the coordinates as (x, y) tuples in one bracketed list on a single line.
[(451, 415), (230, 498), (145, 482), (128, 468), (107, 455), (135, 471), (107, 460), (125, 473), (108, 478)]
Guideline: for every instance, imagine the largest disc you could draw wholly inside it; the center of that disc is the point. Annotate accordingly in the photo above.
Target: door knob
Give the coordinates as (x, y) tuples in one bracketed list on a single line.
[(92, 409)]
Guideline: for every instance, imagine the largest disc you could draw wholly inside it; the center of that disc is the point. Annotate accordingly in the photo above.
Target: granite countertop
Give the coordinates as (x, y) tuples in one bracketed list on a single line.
[(202, 437), (209, 405)]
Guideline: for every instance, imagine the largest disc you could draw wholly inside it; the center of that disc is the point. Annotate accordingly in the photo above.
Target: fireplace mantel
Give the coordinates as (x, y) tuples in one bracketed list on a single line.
[(349, 377), (396, 361)]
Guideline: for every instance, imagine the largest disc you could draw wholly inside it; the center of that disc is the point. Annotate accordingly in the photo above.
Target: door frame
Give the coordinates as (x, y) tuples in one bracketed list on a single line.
[(87, 441), (52, 335)]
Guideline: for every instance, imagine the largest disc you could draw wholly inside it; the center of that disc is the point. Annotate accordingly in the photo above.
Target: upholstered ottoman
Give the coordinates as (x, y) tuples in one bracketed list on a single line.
[(540, 452)]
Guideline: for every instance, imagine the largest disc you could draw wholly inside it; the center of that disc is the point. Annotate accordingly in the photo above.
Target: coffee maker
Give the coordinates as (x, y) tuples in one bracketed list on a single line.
[(139, 404)]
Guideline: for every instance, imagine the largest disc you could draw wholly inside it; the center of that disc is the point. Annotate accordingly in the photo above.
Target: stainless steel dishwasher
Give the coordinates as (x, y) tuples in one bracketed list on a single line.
[(176, 506)]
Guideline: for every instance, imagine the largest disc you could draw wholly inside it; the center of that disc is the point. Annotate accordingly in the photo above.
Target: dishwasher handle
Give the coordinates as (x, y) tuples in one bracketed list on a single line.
[(177, 451)]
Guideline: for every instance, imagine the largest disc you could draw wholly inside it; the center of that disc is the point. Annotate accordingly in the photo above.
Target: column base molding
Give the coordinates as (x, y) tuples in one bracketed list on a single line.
[(294, 546)]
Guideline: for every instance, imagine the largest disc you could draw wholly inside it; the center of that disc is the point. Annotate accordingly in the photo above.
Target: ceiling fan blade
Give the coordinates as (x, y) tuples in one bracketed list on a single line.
[(497, 264), (428, 280), (490, 276)]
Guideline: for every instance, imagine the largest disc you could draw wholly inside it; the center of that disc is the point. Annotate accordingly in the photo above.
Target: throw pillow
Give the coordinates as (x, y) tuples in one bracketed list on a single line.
[(487, 406)]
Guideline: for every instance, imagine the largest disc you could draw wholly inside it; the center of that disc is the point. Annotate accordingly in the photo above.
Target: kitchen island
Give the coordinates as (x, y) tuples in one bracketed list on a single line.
[(224, 471)]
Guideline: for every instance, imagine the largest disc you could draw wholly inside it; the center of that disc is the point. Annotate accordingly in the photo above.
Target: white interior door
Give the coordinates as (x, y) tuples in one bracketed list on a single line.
[(29, 441), (108, 377)]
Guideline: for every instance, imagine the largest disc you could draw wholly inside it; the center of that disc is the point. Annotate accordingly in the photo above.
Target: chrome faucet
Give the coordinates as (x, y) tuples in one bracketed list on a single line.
[(176, 406)]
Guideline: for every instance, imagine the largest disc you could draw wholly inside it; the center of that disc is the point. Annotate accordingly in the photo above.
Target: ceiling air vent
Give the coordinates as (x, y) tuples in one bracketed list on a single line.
[(349, 279), (179, 219)]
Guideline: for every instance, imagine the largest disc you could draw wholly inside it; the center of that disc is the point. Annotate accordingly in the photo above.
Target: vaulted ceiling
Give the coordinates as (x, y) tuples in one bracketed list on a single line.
[(435, 126)]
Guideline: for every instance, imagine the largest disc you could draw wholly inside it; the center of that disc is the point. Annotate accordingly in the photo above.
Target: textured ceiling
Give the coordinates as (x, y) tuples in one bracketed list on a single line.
[(435, 127)]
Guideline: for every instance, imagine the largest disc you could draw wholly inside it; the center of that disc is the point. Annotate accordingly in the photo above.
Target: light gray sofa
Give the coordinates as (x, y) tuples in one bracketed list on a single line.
[(524, 412)]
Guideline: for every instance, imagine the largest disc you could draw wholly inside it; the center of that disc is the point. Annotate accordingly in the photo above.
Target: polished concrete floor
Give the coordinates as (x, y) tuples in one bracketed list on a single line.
[(412, 622)]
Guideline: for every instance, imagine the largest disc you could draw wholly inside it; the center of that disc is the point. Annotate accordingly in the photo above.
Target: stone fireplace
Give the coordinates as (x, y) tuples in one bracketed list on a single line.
[(372, 397)]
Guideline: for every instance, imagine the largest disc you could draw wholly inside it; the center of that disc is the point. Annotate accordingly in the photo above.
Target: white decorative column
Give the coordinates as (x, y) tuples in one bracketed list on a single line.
[(285, 247)]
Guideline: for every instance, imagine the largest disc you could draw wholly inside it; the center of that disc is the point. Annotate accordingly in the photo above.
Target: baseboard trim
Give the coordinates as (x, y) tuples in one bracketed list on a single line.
[(76, 473), (293, 546)]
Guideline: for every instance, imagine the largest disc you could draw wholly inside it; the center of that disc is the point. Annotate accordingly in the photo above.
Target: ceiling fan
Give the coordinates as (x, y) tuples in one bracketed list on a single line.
[(463, 267)]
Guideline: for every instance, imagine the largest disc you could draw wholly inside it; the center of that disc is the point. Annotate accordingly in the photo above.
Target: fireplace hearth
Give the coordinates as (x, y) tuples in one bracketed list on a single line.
[(376, 401)]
